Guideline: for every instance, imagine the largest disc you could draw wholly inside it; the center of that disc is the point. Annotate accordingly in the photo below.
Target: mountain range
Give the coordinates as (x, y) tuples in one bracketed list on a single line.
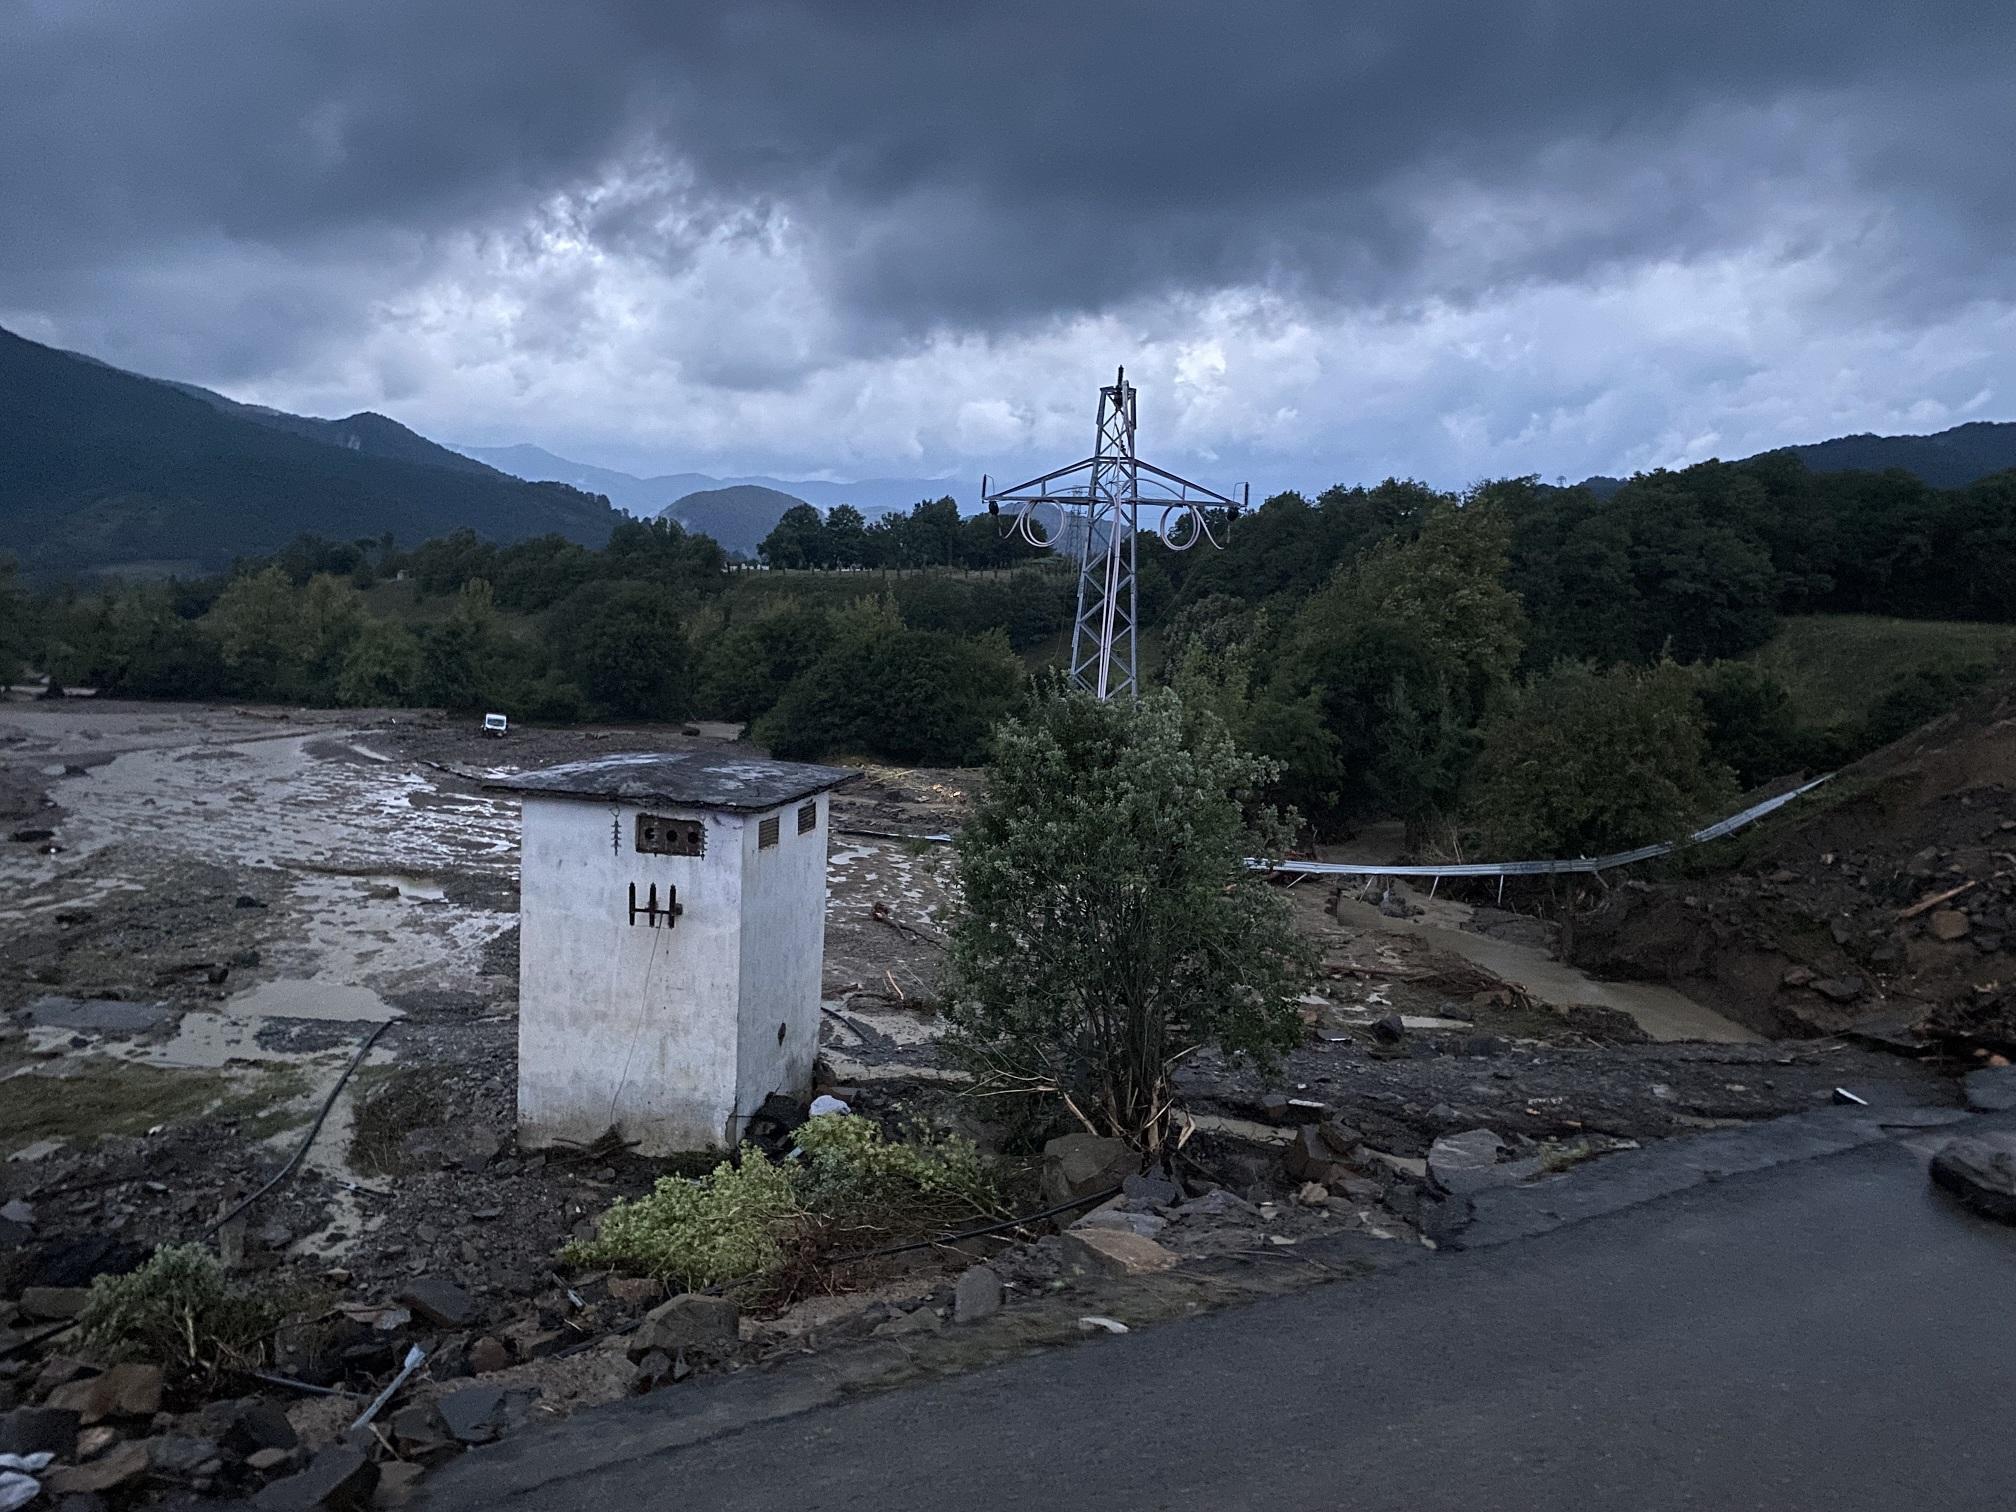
[(103, 470), (650, 496)]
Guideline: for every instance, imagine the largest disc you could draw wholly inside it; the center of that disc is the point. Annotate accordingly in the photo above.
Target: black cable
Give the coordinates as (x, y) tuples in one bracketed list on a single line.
[(313, 1129)]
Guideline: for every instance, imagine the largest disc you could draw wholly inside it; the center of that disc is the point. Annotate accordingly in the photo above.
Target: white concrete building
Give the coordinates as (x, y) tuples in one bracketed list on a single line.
[(672, 913)]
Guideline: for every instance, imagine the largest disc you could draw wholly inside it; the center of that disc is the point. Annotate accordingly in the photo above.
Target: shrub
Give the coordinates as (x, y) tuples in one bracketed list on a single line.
[(844, 1180), (182, 1311), (722, 1226)]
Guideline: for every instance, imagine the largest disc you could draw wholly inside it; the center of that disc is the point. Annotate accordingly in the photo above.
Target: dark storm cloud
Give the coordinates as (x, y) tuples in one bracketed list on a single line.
[(970, 165)]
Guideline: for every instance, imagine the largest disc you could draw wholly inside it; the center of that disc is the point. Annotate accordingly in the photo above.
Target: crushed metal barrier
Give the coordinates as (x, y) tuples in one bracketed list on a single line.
[(1577, 864)]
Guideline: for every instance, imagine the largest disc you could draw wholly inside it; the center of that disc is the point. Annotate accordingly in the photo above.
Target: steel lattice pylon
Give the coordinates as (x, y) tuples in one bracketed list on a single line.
[(1099, 517)]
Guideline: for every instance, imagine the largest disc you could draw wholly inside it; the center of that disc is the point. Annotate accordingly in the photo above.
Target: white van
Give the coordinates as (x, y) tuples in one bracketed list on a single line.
[(495, 724)]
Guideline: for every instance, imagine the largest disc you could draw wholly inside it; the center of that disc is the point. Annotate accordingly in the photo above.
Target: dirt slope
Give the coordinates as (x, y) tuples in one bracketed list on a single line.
[(1890, 905)]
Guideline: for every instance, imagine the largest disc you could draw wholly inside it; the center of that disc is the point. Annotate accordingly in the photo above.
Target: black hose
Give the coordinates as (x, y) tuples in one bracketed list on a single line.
[(315, 1128)]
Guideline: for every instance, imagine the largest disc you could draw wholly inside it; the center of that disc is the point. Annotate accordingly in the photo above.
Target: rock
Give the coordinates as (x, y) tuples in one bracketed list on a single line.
[(1980, 1170), (488, 1355), (1219, 1204), (340, 1478), (34, 1430), (57, 1370), (53, 1303), (977, 1295), (440, 1302), (266, 1461), (1082, 1165), (1840, 989), (1461, 1164), (653, 1368), (1143, 1190), (1992, 1089), (176, 1456), (418, 1429), (1311, 1157), (697, 1324), (1389, 1030), (1112, 1252), (126, 1463), (473, 1415), (635, 1291), (920, 1320), (18, 1211), (93, 1442), (1313, 1194), (246, 900), (124, 1391), (256, 1425), (396, 1480), (1796, 976), (1949, 924), (1117, 1214)]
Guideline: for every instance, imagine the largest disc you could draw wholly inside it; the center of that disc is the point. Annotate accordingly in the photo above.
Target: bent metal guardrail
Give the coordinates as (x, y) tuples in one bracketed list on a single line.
[(1589, 864), (1583, 864)]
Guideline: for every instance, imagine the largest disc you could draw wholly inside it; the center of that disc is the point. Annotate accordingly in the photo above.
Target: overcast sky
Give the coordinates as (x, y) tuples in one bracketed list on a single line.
[(1329, 240)]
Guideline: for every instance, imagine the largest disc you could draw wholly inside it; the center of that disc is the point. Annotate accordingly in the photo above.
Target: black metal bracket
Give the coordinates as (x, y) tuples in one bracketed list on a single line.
[(651, 912)]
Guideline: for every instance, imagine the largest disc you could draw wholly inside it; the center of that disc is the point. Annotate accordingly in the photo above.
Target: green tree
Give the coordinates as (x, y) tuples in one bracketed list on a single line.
[(1109, 926), (796, 540), (846, 536), (383, 666), (625, 645), (1584, 762), (459, 656)]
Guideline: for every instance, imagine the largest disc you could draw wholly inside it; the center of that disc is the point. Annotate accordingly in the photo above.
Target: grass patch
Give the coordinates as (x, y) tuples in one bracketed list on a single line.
[(182, 1312), (1838, 666), (392, 1102), (85, 1099), (846, 1188)]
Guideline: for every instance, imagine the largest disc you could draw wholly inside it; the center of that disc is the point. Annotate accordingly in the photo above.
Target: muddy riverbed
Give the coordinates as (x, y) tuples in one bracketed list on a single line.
[(209, 911)]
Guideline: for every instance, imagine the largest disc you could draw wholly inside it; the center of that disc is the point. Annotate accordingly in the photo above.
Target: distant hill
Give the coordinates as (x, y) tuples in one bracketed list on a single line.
[(738, 517), (1949, 459), (650, 496), (105, 470)]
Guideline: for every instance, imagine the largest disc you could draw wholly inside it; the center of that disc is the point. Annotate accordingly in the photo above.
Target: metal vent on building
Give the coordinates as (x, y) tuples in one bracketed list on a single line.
[(808, 818), (658, 836), (766, 833)]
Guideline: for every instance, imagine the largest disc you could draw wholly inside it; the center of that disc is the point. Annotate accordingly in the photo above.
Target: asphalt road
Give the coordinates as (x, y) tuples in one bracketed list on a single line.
[(1827, 1334)]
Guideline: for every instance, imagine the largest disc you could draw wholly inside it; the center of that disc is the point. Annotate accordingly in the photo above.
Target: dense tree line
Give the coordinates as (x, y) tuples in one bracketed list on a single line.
[(932, 534), (1407, 652), (650, 627)]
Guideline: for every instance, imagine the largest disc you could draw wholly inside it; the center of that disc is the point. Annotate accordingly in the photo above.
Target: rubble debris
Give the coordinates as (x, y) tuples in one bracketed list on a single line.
[(440, 1302), (125, 1462), (39, 1430), (1980, 1170), (49, 1303), (1146, 1190), (1096, 1324), (1113, 1252), (706, 1325), (1992, 1089), (977, 1296), (340, 1479), (124, 1391), (473, 1415), (1083, 1165)]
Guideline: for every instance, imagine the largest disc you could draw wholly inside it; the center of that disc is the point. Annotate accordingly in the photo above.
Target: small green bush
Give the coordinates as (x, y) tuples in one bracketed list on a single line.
[(728, 1224), (181, 1311), (845, 1185)]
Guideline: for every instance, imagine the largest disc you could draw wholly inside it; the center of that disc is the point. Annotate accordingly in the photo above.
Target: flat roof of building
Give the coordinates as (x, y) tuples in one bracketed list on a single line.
[(691, 779)]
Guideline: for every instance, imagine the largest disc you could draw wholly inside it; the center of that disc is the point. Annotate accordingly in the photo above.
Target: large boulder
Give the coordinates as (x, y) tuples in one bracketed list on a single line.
[(1084, 1165), (693, 1323), (124, 1391), (1113, 1252), (1980, 1170)]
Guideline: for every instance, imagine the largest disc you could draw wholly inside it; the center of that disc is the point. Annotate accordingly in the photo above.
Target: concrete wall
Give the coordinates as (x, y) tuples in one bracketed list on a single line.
[(618, 1023), (783, 955)]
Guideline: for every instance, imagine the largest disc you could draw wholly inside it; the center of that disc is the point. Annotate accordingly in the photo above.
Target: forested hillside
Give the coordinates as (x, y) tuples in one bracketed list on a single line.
[(104, 470)]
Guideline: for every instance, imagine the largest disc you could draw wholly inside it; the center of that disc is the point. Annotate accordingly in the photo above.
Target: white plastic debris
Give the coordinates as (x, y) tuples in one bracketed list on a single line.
[(1095, 1324), (18, 1485), (825, 1103)]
